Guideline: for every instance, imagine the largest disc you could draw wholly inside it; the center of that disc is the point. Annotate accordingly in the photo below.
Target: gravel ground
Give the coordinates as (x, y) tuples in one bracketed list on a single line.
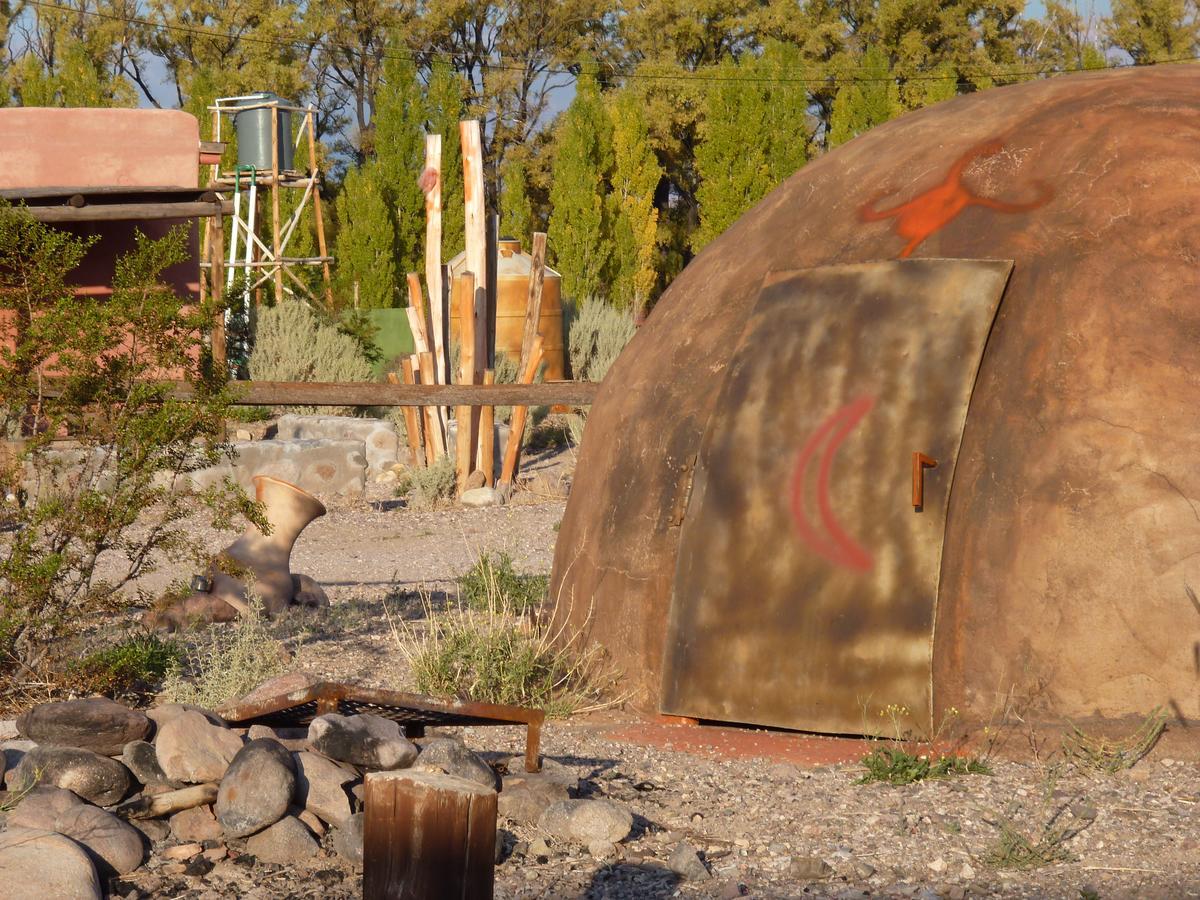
[(764, 828)]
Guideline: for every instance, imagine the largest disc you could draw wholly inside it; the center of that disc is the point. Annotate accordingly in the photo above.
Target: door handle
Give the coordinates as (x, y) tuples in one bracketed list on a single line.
[(920, 462)]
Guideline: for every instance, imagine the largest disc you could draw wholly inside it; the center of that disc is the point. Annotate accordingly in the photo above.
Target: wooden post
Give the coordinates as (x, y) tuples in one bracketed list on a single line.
[(414, 362), (533, 306), (428, 835), (433, 430), (216, 276), (516, 431), (318, 219), (476, 238), (464, 414), (487, 435), (275, 203), (416, 315), (433, 254), (493, 285), (412, 424)]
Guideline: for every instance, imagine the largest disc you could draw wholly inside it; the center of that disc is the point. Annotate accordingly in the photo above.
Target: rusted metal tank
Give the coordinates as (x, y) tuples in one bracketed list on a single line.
[(512, 289), (919, 429)]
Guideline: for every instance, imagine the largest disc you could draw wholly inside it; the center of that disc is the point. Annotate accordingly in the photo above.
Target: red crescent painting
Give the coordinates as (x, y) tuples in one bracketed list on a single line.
[(937, 207), (830, 540)]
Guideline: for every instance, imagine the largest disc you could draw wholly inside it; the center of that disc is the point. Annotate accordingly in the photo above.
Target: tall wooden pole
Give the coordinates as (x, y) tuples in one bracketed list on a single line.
[(215, 232), (533, 305), (516, 432), (464, 414), (433, 431), (412, 422), (476, 236), (275, 203), (433, 254), (428, 835), (487, 435), (314, 172)]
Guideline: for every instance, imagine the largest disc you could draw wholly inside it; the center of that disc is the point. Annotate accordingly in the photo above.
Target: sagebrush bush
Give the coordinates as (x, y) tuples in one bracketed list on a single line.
[(292, 344), (424, 487), (598, 333), (228, 663), (490, 580), (122, 490)]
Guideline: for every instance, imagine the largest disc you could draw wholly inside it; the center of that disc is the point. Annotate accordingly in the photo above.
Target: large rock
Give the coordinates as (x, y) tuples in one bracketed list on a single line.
[(347, 840), (116, 847), (286, 842), (141, 759), (161, 715), (93, 777), (320, 787), (97, 724), (193, 750), (317, 466), (364, 740), (443, 754), (39, 864), (196, 824), (525, 797), (587, 821), (257, 788)]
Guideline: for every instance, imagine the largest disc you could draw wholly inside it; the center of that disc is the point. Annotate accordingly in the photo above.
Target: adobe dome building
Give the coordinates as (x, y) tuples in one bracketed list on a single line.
[(1006, 284)]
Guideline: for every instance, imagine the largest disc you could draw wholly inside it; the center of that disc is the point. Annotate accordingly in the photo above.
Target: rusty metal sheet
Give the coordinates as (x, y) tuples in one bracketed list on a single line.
[(413, 712), (806, 581)]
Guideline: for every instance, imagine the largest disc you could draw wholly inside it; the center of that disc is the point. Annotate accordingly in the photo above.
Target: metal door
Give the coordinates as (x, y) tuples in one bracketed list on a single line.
[(807, 577)]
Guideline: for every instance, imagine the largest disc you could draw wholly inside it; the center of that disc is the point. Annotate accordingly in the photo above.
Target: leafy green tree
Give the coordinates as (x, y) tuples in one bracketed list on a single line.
[(865, 100), (787, 108), (579, 235), (1063, 40), (445, 104), (399, 145), (365, 241), (1153, 31), (516, 211), (635, 178)]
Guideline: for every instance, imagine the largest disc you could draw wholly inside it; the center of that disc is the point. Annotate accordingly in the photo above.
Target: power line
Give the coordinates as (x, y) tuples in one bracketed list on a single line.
[(962, 78)]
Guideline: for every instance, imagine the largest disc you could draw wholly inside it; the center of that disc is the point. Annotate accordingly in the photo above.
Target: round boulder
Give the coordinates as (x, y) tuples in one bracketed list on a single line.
[(116, 847), (39, 864), (587, 821), (364, 740), (193, 750), (93, 777), (257, 788), (95, 723)]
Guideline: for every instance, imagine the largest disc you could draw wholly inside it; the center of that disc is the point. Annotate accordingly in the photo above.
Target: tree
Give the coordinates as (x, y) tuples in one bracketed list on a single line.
[(445, 107), (635, 177), (365, 241), (516, 212), (579, 234), (1153, 31), (1062, 40), (399, 148), (866, 99)]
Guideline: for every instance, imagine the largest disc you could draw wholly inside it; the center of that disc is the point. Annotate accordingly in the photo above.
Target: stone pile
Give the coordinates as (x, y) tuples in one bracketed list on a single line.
[(95, 790)]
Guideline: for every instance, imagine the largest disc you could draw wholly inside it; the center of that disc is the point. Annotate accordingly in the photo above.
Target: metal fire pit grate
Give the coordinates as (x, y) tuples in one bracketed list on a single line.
[(413, 712)]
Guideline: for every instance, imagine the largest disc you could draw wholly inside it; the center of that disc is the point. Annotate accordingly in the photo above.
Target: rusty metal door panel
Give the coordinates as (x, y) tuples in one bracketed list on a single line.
[(806, 578)]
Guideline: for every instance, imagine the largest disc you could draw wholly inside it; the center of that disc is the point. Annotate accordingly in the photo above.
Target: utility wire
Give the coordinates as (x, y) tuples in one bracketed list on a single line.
[(962, 77)]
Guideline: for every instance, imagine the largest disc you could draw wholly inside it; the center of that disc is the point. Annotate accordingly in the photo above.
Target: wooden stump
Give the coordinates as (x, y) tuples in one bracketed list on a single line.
[(427, 836)]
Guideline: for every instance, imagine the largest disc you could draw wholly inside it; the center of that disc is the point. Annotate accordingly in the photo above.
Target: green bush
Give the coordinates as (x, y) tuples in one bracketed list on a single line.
[(894, 765), (497, 583), (135, 667), (292, 344), (425, 487), (122, 490)]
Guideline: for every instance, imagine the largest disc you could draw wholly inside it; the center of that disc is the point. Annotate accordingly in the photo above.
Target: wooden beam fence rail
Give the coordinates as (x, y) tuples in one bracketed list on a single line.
[(369, 393)]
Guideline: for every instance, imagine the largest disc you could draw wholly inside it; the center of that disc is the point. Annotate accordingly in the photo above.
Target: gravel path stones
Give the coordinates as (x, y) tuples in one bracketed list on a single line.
[(95, 724), (192, 750), (257, 788), (97, 778), (363, 740)]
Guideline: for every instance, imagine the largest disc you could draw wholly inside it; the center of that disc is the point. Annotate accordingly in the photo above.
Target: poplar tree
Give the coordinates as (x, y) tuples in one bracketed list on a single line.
[(445, 101), (865, 99), (516, 212), (399, 144), (365, 241), (635, 177), (579, 233), (732, 157)]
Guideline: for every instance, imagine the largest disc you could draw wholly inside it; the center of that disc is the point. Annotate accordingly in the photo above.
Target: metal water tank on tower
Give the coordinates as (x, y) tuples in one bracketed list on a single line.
[(254, 131)]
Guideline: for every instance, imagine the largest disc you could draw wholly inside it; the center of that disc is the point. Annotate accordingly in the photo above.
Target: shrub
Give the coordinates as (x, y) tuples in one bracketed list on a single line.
[(598, 333), (894, 765), (424, 487), (122, 489), (487, 583), (132, 668), (1100, 755), (292, 344), (228, 663)]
